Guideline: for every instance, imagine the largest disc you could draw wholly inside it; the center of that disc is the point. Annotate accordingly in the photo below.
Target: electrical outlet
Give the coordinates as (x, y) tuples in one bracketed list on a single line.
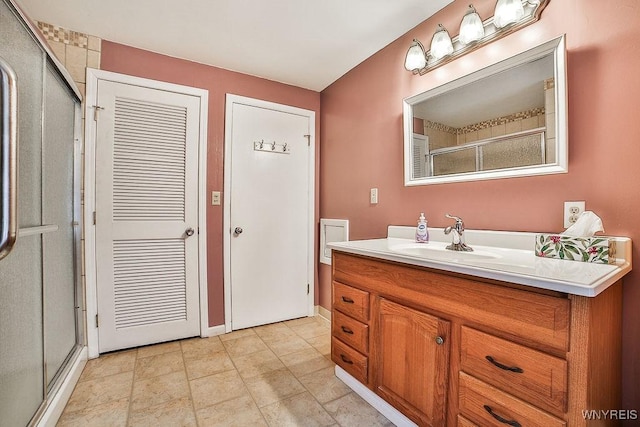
[(572, 211), (373, 196)]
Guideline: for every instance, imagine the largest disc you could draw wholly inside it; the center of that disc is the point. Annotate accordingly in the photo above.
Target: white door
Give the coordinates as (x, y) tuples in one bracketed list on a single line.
[(146, 215), (271, 215)]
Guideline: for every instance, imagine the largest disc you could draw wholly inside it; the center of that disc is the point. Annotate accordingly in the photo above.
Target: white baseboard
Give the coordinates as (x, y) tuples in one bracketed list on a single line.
[(54, 410), (212, 331), (323, 312), (392, 414)]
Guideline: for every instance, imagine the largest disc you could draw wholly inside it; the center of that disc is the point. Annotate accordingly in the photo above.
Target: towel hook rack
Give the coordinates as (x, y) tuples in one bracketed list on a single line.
[(272, 147)]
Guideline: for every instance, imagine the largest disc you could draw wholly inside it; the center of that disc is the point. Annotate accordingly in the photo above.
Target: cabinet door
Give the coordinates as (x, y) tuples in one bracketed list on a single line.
[(412, 362)]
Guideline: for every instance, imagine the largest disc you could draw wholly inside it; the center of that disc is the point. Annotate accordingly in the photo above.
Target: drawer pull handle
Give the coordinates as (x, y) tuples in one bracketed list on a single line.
[(347, 300), (346, 330), (505, 367), (499, 418), (345, 359)]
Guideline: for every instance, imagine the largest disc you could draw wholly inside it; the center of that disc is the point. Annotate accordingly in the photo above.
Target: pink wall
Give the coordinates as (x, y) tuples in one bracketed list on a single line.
[(418, 126), (127, 60), (362, 144)]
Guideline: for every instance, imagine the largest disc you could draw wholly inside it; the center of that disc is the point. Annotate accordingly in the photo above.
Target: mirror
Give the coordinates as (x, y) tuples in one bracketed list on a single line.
[(508, 119)]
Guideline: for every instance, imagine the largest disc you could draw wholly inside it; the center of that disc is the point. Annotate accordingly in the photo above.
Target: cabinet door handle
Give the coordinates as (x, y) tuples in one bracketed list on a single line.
[(499, 418), (505, 367), (347, 300), (345, 359), (346, 330)]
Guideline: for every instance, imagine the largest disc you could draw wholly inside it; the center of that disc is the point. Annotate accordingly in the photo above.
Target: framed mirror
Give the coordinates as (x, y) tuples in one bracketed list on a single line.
[(506, 120)]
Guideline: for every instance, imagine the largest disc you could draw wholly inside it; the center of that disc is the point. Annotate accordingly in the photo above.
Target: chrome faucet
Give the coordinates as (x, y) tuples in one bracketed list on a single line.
[(457, 229)]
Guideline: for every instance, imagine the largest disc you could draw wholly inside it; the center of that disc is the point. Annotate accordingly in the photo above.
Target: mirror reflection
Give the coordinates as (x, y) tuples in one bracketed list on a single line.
[(501, 121)]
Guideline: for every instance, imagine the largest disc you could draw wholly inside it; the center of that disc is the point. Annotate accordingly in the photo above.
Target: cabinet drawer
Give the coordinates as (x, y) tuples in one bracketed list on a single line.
[(350, 360), (351, 301), (350, 331), (534, 376), (488, 406)]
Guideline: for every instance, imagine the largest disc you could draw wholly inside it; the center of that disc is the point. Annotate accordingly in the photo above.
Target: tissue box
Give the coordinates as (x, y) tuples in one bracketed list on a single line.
[(586, 249)]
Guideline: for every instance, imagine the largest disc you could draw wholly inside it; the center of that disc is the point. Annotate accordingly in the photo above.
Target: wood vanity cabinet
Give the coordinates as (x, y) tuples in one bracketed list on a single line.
[(447, 349)]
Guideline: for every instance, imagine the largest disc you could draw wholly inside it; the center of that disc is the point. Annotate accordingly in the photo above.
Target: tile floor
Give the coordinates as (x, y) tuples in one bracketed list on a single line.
[(274, 375)]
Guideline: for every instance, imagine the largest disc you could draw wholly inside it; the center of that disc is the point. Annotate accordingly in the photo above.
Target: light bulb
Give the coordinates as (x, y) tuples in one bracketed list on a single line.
[(471, 28), (441, 45), (507, 12), (416, 58)]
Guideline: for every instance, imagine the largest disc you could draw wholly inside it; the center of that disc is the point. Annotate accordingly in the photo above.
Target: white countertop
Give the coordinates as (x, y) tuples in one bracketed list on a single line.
[(499, 255)]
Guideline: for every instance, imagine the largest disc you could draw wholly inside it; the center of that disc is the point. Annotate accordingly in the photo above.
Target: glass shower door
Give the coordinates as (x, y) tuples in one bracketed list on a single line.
[(57, 211), (21, 320), (21, 330), (38, 286)]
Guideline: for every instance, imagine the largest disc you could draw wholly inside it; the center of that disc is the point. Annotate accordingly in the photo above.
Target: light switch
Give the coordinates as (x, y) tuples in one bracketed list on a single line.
[(215, 198), (374, 196)]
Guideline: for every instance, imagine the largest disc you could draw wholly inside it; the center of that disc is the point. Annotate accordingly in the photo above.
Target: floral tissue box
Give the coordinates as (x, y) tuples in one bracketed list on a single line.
[(586, 249)]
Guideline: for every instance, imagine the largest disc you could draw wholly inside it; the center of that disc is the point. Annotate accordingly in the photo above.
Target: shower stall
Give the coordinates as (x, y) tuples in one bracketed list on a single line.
[(41, 300)]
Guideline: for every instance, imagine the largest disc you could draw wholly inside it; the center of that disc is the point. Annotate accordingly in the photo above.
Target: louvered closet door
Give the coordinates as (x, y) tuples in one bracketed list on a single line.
[(146, 199), (420, 150)]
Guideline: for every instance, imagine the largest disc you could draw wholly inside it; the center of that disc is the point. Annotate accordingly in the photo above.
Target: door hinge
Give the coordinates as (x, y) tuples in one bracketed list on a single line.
[(307, 289), (308, 140), (95, 111), (97, 323), (94, 217)]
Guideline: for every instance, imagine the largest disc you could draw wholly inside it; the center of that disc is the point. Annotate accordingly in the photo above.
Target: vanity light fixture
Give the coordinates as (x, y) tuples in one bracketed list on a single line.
[(471, 28), (509, 16), (441, 44)]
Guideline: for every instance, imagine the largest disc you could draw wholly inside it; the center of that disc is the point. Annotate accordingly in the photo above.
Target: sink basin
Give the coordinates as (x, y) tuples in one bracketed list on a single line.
[(438, 251)]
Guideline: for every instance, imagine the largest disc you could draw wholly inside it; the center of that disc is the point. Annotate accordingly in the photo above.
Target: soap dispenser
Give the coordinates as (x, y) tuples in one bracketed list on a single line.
[(422, 233)]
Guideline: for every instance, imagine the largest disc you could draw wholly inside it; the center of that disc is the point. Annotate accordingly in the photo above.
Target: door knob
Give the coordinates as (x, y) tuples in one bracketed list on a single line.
[(237, 231), (189, 232)]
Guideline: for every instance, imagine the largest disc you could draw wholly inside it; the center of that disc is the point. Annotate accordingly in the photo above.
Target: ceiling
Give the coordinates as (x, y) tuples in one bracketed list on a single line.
[(305, 43)]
